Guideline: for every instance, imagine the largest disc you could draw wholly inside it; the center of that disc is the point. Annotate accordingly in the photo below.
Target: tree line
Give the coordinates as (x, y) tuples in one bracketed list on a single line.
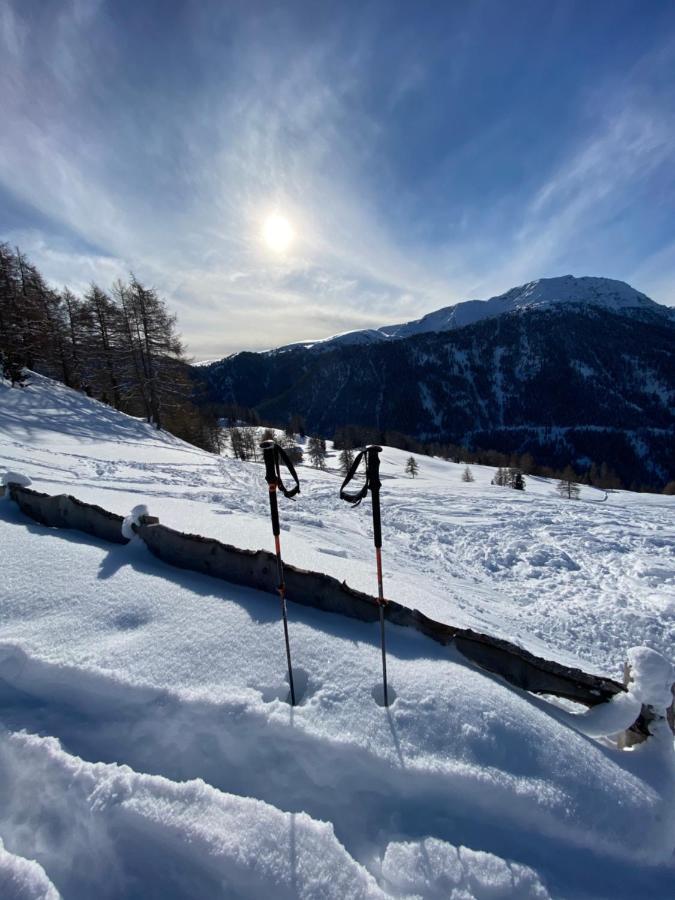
[(352, 436), (121, 347)]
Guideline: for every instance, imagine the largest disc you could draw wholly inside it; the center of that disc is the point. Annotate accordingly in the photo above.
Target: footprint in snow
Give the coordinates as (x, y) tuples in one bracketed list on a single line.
[(301, 685)]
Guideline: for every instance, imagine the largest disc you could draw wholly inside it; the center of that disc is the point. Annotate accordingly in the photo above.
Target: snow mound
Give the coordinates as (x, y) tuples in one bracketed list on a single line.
[(434, 868), (651, 677), (134, 518), (103, 828), (16, 478), (606, 719), (651, 680), (23, 879)]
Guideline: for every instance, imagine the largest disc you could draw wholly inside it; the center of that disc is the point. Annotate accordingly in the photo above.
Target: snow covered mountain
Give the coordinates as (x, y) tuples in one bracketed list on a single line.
[(602, 293), (570, 370)]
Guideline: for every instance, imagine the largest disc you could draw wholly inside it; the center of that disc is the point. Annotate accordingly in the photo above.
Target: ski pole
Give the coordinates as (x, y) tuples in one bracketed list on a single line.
[(372, 484), (271, 454), (373, 468)]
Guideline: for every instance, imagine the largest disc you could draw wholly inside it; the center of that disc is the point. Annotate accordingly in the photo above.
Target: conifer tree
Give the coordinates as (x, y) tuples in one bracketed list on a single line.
[(317, 452), (411, 467), (294, 452), (568, 486), (346, 459)]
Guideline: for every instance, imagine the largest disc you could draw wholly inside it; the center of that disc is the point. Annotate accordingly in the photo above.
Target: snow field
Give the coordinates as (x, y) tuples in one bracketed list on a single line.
[(147, 748), (128, 661), (575, 580)]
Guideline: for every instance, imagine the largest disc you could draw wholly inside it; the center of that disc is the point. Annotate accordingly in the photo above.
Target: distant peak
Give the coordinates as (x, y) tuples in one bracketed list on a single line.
[(585, 290)]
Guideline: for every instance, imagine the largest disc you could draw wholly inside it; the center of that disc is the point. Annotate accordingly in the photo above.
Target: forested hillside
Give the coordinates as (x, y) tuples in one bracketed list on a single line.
[(570, 384), (121, 347)]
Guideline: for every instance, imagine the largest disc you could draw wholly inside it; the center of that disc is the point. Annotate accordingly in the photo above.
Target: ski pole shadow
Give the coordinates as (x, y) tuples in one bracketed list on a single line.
[(395, 738), (293, 857)]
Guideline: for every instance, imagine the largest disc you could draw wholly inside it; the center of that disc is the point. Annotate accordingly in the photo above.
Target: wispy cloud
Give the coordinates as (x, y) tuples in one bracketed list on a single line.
[(161, 146)]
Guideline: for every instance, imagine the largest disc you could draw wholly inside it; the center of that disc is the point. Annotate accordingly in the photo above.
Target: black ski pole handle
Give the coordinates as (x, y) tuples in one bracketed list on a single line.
[(267, 448), (272, 453), (373, 468), (269, 456)]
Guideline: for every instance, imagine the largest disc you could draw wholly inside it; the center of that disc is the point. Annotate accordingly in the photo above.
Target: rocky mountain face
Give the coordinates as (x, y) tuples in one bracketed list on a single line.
[(565, 378)]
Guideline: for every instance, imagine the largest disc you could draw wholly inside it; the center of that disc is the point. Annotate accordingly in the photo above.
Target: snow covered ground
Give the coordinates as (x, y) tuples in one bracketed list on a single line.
[(146, 745), (572, 579)]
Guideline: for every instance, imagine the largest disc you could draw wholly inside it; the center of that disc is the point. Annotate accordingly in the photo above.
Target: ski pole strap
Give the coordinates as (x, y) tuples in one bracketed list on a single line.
[(272, 454), (372, 482)]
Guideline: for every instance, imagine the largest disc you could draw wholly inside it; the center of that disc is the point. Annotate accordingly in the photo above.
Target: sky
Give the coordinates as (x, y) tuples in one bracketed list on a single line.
[(417, 154)]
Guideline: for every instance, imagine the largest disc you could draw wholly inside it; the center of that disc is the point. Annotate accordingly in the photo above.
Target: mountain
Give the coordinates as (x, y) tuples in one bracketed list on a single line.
[(570, 370), (604, 293)]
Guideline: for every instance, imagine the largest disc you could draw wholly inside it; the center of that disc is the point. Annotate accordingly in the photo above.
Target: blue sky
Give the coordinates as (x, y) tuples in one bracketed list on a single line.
[(423, 153)]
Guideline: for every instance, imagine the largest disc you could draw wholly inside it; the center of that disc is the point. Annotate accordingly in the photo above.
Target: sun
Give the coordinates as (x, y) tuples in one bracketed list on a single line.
[(278, 233)]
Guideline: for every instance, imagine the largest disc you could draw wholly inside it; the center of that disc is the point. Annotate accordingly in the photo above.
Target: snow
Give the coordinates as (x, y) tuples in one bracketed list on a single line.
[(23, 879), (651, 677), (9, 477), (127, 661), (606, 719), (147, 748), (119, 827), (433, 868), (573, 580), (134, 518)]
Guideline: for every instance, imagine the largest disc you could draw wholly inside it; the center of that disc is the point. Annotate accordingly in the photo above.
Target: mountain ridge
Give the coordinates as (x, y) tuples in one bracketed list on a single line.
[(576, 383), (608, 293)]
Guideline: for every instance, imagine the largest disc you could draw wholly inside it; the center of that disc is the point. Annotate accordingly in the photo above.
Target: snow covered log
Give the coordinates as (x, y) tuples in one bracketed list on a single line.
[(257, 569), (64, 511)]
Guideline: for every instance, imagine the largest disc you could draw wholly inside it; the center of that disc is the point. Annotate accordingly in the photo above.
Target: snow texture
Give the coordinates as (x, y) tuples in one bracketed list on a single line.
[(433, 868), (148, 748), (23, 879)]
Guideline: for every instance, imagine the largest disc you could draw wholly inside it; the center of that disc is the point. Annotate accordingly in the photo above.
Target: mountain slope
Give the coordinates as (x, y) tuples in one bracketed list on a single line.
[(601, 293), (146, 748), (574, 383)]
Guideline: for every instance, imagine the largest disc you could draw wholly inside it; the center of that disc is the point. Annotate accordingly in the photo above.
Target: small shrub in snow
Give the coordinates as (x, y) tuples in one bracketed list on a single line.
[(467, 475), (511, 477), (411, 467), (517, 481)]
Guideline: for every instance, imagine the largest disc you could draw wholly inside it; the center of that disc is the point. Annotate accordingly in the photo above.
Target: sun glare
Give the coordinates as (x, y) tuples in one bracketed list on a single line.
[(278, 233)]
